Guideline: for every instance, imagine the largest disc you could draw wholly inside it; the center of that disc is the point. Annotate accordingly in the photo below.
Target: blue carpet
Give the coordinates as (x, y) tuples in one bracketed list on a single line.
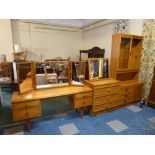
[(138, 123)]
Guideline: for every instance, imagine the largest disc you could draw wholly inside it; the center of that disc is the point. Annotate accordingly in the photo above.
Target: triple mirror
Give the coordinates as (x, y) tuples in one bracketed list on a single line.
[(51, 74), (78, 72), (25, 75), (98, 68)]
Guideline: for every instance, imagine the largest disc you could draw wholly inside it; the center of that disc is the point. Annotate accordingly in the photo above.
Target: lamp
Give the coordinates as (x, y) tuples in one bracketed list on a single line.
[(17, 48)]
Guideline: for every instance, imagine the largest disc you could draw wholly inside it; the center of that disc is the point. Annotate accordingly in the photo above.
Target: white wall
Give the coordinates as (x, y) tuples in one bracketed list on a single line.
[(135, 26), (51, 41), (46, 40), (6, 45), (102, 36)]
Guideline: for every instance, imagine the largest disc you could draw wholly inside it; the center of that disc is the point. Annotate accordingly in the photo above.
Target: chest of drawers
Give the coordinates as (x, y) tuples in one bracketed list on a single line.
[(106, 95)]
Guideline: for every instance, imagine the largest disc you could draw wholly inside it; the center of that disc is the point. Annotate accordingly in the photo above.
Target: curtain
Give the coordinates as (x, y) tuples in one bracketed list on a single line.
[(148, 55)]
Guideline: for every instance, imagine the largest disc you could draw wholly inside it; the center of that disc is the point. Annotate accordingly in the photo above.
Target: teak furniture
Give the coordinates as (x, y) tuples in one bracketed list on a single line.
[(51, 74), (125, 65), (106, 95), (103, 91), (151, 98), (25, 76), (131, 91), (126, 56), (78, 72), (28, 106), (98, 68)]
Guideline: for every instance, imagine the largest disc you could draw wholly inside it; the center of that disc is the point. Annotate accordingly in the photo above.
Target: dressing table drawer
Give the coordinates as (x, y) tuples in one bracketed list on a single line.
[(83, 95), (23, 105), (83, 102)]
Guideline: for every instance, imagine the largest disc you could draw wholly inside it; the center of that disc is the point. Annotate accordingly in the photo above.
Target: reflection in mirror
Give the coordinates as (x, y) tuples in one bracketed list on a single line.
[(24, 76), (98, 68), (51, 74), (78, 72)]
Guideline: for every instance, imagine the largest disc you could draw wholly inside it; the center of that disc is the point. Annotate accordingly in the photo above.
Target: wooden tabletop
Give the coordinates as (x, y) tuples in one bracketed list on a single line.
[(131, 82), (49, 93), (102, 82)]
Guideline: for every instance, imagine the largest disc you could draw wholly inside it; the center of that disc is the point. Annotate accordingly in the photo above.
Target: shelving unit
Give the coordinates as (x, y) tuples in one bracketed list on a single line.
[(125, 65), (126, 56)]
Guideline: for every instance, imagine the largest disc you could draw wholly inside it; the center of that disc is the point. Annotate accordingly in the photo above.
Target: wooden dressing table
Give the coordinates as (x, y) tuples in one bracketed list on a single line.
[(28, 106)]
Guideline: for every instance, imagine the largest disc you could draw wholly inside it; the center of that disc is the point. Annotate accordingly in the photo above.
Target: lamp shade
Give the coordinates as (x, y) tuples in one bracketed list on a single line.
[(17, 48)]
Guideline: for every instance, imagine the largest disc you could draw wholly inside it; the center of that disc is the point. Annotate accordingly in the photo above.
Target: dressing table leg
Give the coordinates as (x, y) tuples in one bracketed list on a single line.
[(29, 125), (81, 112)]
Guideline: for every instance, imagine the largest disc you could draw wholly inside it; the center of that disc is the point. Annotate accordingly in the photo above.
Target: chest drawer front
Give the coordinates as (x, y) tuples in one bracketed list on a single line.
[(107, 86), (115, 103), (113, 97), (100, 107), (19, 114), (107, 90), (83, 95), (33, 112), (99, 92), (100, 100)]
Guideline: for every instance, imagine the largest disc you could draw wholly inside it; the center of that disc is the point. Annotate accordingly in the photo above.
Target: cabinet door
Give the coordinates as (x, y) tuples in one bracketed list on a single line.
[(124, 53), (152, 92), (138, 89)]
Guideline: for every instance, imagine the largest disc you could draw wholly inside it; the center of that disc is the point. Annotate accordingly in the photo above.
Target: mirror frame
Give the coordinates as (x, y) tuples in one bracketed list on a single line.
[(58, 85), (89, 68)]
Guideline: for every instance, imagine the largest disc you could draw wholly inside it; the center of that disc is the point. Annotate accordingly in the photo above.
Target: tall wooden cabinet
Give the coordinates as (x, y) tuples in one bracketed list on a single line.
[(125, 65), (126, 56), (151, 98)]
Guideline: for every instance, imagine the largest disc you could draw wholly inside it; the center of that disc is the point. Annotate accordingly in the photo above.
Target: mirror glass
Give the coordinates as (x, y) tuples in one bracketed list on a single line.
[(78, 72), (98, 68), (24, 76), (51, 74)]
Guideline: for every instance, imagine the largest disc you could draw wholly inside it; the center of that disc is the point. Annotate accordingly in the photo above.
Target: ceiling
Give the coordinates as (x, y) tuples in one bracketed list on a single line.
[(78, 23)]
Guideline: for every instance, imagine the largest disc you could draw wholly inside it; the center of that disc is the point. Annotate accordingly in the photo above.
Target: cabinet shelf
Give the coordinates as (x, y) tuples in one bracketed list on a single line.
[(126, 56)]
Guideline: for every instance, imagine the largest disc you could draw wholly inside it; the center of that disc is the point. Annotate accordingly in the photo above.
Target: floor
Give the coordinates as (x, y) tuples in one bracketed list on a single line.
[(58, 106), (59, 119), (131, 120)]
